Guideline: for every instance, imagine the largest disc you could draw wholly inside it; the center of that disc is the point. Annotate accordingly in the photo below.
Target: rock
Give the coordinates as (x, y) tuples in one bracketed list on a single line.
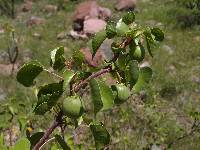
[(197, 38), (62, 35), (50, 9), (195, 79), (1, 30), (98, 58), (27, 6), (145, 64), (125, 5), (4, 58), (106, 49), (87, 10), (104, 13), (92, 26), (168, 49), (36, 35), (76, 35), (35, 21), (3, 95), (6, 69)]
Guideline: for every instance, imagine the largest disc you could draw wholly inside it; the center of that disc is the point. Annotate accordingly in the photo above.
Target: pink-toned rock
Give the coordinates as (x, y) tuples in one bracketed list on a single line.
[(35, 21), (98, 58), (6, 69), (50, 9), (27, 6), (87, 9), (125, 5), (92, 26)]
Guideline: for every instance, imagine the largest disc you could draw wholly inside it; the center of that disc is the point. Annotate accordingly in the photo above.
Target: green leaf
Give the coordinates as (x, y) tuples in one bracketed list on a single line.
[(35, 138), (22, 144), (78, 57), (110, 30), (48, 96), (145, 76), (97, 41), (149, 41), (57, 58), (106, 95), (62, 143), (132, 73), (28, 72), (101, 136), (96, 96), (137, 51), (116, 48), (122, 62), (129, 18), (68, 76), (158, 33), (121, 28), (102, 96)]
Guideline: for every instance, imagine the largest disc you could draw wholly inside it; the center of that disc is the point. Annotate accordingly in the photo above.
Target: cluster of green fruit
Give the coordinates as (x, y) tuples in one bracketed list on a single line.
[(73, 106)]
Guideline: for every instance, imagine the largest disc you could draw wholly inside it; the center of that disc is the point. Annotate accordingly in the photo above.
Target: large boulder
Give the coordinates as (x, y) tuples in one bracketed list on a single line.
[(92, 26), (125, 5), (89, 10)]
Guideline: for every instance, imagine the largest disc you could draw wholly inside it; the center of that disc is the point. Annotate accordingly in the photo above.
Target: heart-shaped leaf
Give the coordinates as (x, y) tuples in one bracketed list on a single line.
[(28, 72)]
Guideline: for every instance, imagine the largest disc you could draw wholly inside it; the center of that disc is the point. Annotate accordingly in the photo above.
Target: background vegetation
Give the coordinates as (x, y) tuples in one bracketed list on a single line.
[(163, 114)]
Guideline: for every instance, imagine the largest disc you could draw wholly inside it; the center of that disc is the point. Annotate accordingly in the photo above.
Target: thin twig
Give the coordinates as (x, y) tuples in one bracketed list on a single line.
[(54, 74), (49, 131), (94, 75), (49, 140)]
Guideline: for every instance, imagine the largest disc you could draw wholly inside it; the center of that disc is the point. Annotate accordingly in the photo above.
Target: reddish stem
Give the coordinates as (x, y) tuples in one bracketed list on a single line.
[(94, 75)]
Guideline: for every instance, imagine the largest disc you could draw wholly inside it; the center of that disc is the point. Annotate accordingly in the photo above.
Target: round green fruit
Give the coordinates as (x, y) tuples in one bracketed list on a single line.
[(121, 93), (137, 52), (72, 107)]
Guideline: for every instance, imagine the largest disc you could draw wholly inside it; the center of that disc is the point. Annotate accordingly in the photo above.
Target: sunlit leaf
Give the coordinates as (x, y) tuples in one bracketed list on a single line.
[(101, 136), (68, 76), (22, 144), (28, 72), (57, 58), (121, 28), (97, 41)]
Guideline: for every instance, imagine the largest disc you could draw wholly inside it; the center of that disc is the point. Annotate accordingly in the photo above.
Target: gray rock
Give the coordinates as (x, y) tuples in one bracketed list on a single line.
[(168, 49)]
